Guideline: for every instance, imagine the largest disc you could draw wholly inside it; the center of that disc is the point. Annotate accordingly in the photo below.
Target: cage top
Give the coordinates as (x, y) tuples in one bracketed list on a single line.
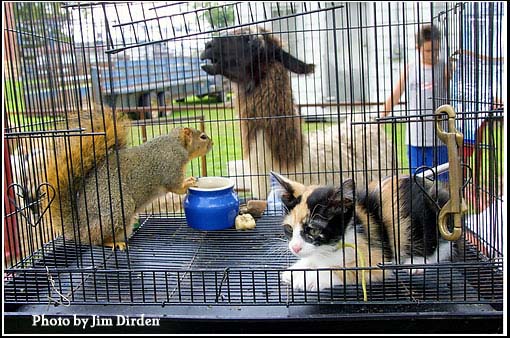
[(133, 25)]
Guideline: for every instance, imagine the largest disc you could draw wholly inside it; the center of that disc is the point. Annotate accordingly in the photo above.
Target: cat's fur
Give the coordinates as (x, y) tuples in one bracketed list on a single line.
[(391, 221)]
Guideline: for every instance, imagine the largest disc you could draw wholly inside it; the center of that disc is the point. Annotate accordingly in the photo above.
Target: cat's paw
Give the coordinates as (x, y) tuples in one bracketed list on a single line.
[(295, 279), (286, 278), (417, 272), (308, 280), (415, 260)]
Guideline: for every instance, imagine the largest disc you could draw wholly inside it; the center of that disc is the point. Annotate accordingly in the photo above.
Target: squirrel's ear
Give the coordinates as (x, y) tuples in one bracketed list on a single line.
[(186, 135)]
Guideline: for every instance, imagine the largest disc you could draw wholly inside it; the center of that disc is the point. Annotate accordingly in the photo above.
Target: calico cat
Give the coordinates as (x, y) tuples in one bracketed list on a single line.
[(334, 227)]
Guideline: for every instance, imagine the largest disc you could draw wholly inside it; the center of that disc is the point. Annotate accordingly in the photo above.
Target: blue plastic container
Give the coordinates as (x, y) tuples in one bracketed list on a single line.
[(212, 204)]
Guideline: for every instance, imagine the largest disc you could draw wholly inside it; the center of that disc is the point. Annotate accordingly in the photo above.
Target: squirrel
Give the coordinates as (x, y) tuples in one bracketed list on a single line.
[(98, 190)]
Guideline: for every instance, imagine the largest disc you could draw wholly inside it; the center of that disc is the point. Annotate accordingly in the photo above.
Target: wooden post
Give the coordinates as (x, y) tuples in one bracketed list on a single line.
[(11, 243), (202, 158), (144, 133)]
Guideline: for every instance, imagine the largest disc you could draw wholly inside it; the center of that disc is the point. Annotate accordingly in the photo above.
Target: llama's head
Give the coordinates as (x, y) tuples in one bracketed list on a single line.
[(244, 56)]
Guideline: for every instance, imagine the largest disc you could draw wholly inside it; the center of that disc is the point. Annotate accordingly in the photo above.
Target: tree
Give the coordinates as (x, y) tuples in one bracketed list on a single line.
[(218, 16), (41, 18)]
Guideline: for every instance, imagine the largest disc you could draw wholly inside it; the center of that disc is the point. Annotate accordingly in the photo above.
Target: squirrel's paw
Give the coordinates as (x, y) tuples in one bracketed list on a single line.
[(189, 182), (120, 245)]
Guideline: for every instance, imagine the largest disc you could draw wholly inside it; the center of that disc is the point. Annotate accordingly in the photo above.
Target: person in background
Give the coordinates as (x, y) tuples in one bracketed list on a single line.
[(425, 83)]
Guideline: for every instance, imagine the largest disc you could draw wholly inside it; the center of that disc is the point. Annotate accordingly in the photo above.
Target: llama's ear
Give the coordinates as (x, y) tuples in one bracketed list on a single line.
[(289, 61), (290, 192)]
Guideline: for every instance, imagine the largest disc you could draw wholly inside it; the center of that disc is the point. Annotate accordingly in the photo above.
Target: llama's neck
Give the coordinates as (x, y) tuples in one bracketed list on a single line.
[(269, 107)]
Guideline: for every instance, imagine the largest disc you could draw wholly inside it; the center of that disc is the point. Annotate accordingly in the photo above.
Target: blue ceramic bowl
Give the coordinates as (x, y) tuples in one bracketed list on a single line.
[(212, 204)]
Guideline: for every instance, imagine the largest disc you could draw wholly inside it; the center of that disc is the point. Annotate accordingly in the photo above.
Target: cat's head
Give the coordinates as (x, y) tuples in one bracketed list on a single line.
[(317, 216)]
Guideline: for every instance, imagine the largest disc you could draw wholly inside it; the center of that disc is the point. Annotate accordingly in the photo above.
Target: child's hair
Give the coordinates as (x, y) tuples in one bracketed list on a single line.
[(427, 33)]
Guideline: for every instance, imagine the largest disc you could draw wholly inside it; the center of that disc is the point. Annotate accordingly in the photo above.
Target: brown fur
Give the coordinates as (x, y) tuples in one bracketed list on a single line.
[(42, 160), (77, 157), (146, 171), (271, 129), (371, 259), (272, 136), (96, 203), (266, 109)]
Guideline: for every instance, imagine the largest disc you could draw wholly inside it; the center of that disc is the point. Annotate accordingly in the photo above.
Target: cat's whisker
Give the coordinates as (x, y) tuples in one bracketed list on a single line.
[(281, 239), (313, 214), (277, 248)]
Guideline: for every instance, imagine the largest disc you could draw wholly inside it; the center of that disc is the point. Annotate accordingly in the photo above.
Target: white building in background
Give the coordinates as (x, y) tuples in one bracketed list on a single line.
[(358, 47)]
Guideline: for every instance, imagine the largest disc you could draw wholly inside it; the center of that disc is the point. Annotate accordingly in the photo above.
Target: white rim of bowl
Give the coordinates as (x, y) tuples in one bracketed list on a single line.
[(223, 183)]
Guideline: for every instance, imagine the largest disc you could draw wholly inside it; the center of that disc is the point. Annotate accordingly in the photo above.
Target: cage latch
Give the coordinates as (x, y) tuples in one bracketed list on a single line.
[(455, 206)]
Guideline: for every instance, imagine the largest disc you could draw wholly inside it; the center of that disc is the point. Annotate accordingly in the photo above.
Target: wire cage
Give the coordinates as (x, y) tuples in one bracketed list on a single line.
[(67, 64)]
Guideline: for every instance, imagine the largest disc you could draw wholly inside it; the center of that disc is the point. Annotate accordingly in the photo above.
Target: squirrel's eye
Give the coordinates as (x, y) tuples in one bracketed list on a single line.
[(203, 136)]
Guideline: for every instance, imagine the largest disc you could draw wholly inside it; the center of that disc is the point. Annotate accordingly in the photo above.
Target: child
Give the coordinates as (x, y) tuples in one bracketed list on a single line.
[(426, 86)]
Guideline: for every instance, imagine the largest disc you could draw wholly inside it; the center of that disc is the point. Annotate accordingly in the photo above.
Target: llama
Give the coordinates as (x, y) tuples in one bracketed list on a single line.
[(270, 127)]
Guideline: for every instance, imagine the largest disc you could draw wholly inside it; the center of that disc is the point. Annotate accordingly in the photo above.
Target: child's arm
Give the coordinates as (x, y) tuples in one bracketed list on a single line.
[(394, 98)]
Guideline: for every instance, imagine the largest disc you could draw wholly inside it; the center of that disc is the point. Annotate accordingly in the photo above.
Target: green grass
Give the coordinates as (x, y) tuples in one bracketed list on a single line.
[(193, 99), (30, 123), (220, 125), (396, 133), (491, 163), (13, 91)]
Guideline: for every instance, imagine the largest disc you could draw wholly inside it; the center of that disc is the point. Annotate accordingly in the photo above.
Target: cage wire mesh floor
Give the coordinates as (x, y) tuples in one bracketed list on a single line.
[(171, 263)]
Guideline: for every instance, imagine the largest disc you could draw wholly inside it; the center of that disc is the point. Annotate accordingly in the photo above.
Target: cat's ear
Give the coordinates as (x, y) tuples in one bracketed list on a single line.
[(292, 187), (291, 191), (343, 198), (348, 190)]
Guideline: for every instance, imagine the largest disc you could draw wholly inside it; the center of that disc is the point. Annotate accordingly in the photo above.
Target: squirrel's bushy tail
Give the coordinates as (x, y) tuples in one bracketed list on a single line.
[(75, 159)]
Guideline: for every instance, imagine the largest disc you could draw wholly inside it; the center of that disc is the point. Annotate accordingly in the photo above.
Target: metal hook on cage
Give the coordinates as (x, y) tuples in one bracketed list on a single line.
[(456, 205), (30, 202)]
